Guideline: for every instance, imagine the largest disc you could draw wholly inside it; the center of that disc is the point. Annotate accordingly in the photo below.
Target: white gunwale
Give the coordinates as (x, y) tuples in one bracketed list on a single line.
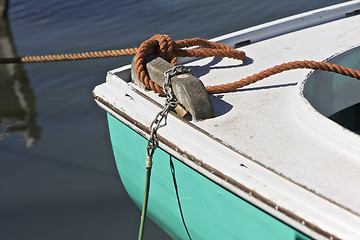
[(267, 187)]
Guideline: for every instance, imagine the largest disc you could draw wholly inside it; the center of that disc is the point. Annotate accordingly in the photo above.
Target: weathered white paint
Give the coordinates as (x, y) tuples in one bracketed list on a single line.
[(294, 156)]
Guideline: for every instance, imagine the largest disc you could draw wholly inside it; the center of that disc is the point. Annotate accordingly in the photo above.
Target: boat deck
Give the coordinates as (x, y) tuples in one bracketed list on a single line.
[(266, 144), (272, 123)]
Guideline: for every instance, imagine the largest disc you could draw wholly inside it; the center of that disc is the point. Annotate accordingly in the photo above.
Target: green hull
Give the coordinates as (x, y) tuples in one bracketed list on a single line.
[(209, 210)]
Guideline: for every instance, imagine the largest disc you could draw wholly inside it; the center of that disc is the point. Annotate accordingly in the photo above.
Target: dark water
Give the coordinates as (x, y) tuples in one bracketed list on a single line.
[(58, 178)]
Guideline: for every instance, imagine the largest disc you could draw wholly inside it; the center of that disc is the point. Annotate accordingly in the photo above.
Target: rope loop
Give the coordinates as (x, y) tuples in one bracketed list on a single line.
[(163, 46)]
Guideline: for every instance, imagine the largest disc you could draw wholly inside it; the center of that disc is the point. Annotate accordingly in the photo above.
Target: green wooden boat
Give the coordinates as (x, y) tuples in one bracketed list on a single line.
[(274, 162)]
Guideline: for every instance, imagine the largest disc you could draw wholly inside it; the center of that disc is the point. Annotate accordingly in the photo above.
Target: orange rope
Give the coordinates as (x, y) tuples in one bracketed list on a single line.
[(281, 68), (163, 46), (69, 57)]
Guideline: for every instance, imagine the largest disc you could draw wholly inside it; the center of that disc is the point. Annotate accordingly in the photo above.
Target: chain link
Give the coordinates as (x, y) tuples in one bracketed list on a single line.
[(170, 104), (180, 69)]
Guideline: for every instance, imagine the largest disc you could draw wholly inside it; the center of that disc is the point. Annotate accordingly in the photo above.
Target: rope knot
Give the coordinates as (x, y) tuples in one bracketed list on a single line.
[(163, 46)]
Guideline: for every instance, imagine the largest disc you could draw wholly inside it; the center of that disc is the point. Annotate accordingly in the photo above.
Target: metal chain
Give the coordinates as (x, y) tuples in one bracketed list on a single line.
[(180, 69), (170, 104)]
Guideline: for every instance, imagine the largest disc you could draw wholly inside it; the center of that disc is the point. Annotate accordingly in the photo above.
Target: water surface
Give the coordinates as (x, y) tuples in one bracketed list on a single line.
[(58, 178)]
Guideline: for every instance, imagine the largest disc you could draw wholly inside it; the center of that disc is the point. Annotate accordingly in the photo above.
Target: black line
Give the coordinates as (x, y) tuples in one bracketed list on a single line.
[(177, 196)]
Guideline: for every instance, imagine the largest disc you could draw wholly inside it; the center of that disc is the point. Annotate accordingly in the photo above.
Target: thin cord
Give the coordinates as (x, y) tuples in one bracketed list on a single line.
[(177, 196)]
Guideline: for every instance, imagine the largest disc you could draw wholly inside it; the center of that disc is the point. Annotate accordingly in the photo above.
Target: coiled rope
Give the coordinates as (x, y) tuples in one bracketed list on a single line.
[(163, 46)]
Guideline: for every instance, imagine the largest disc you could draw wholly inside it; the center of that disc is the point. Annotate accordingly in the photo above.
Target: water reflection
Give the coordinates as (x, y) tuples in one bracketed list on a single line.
[(17, 100)]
